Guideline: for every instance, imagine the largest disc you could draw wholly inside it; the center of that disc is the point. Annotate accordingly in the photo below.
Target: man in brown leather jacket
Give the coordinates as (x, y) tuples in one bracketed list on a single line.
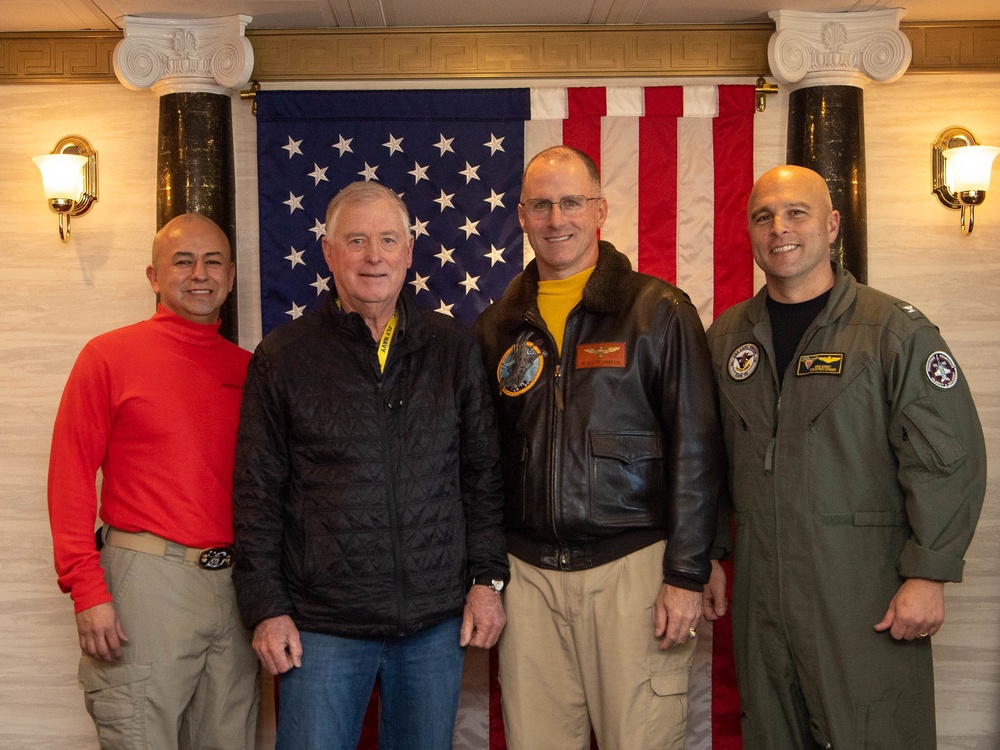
[(613, 464)]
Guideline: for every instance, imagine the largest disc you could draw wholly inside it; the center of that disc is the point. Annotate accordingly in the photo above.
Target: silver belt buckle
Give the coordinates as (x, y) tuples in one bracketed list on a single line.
[(216, 558)]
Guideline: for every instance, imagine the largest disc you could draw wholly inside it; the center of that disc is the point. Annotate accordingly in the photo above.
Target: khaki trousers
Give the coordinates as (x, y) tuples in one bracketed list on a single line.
[(188, 675), (579, 652)]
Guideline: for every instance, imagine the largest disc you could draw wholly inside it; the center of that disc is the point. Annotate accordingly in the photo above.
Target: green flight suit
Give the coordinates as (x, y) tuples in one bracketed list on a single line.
[(869, 469)]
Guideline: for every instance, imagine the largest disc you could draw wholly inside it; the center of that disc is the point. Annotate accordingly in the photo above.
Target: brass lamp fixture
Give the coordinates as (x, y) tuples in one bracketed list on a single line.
[(69, 178), (960, 171)]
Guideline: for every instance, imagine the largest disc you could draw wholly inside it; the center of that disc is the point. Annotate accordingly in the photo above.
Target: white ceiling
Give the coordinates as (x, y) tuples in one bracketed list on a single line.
[(79, 15)]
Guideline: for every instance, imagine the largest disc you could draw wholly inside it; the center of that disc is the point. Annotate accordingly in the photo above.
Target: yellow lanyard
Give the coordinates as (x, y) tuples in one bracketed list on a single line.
[(383, 347)]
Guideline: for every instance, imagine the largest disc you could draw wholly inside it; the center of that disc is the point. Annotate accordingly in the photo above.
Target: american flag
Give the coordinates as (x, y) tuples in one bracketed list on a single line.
[(454, 156), (677, 168)]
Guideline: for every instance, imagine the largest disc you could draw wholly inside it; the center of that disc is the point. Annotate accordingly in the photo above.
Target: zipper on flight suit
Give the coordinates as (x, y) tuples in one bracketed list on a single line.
[(773, 442)]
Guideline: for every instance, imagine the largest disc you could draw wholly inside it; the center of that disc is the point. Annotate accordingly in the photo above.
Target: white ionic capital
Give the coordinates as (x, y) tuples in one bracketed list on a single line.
[(837, 49), (171, 55)]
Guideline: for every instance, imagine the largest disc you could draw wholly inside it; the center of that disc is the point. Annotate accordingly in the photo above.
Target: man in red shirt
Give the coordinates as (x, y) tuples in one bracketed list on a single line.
[(154, 406)]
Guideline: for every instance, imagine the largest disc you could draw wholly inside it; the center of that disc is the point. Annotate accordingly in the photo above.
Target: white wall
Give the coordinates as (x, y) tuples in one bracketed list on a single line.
[(55, 296)]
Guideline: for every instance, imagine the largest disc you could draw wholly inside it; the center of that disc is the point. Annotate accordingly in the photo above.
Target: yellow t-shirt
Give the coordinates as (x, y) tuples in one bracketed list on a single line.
[(557, 298)]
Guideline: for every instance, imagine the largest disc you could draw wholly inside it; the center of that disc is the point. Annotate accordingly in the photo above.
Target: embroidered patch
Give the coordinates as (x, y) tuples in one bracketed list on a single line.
[(910, 310), (820, 364), (743, 361), (941, 370), (600, 355), (520, 368)]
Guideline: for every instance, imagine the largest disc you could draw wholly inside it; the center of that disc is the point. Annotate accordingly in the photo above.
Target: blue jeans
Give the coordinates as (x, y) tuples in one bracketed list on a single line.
[(322, 703)]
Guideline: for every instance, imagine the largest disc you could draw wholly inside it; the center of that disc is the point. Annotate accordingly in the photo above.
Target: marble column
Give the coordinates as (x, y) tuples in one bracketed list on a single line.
[(194, 65), (826, 60)]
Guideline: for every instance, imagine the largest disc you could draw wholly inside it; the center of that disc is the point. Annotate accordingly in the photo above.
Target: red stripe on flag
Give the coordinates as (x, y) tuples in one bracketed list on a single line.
[(733, 164), (582, 129), (497, 739), (657, 235), (726, 732)]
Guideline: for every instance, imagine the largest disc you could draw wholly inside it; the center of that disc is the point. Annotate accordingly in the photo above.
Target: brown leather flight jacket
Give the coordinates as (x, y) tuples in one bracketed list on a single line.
[(615, 444)]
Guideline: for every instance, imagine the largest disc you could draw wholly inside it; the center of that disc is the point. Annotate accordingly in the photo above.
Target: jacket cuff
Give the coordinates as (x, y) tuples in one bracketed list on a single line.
[(920, 562), (682, 582)]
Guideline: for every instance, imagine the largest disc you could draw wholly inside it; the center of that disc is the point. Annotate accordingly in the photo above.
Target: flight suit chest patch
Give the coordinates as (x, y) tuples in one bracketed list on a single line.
[(743, 361), (826, 363)]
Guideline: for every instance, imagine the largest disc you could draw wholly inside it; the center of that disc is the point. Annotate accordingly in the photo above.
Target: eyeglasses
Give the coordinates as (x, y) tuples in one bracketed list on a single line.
[(571, 204)]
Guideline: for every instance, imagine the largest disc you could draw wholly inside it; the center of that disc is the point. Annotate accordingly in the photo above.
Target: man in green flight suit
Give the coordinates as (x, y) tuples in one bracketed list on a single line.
[(857, 474)]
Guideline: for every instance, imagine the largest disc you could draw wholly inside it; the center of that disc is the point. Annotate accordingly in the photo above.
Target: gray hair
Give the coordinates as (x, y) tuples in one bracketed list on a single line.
[(365, 192)]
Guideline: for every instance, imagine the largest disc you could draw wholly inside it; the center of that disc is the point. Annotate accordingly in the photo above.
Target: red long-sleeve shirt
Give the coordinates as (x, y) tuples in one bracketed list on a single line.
[(155, 406)]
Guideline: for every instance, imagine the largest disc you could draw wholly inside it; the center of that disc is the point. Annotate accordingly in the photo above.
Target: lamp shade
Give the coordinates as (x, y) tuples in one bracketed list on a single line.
[(968, 168), (62, 175)]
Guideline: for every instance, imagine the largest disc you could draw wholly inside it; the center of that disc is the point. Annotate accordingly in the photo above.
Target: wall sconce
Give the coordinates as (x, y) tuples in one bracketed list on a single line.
[(69, 178), (960, 171)]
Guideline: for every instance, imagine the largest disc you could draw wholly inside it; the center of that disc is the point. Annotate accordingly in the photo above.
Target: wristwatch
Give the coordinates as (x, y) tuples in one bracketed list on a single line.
[(494, 583)]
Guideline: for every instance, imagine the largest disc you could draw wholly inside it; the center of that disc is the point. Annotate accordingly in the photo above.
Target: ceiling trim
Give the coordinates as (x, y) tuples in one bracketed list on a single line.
[(500, 52)]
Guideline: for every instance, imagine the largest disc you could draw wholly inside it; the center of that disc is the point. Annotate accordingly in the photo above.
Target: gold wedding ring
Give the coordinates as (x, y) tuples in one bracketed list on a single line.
[(922, 635), (692, 633)]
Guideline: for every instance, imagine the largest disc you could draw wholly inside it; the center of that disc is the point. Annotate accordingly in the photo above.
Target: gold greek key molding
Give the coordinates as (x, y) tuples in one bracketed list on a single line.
[(954, 47), (511, 52), (501, 52), (58, 57)]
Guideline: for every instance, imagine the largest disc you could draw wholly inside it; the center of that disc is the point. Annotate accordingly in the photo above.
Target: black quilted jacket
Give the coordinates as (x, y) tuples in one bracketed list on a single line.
[(365, 501)]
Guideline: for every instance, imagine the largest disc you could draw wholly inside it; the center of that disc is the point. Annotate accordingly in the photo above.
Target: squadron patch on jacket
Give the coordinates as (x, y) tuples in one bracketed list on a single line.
[(519, 368), (941, 370), (743, 361), (600, 355), (820, 364)]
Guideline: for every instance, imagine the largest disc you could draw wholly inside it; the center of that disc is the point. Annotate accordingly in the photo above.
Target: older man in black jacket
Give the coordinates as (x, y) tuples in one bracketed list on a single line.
[(367, 498), (614, 461)]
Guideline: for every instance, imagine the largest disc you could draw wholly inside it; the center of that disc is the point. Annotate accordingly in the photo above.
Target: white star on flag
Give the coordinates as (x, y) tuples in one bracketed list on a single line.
[(296, 311), (321, 284), (419, 173), (319, 173), (493, 144), (419, 283), (368, 172), (343, 145), (394, 144), (495, 255), (469, 173), (296, 257), (470, 227), (445, 255), (293, 147), (445, 309), (445, 200), (418, 228), (469, 283), (495, 200), (319, 229), (294, 202), (444, 145)]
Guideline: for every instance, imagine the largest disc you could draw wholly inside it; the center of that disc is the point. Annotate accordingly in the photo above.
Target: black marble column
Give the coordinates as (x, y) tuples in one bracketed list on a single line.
[(195, 171), (826, 132)]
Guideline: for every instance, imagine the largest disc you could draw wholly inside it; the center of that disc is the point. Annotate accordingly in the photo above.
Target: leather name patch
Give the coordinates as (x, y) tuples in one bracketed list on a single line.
[(600, 355)]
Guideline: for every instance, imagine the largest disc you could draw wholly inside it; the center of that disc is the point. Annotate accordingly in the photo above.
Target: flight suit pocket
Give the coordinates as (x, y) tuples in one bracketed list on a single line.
[(115, 697), (927, 441)]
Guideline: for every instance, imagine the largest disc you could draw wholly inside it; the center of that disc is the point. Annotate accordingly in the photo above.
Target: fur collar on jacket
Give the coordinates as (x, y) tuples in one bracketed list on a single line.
[(604, 293)]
